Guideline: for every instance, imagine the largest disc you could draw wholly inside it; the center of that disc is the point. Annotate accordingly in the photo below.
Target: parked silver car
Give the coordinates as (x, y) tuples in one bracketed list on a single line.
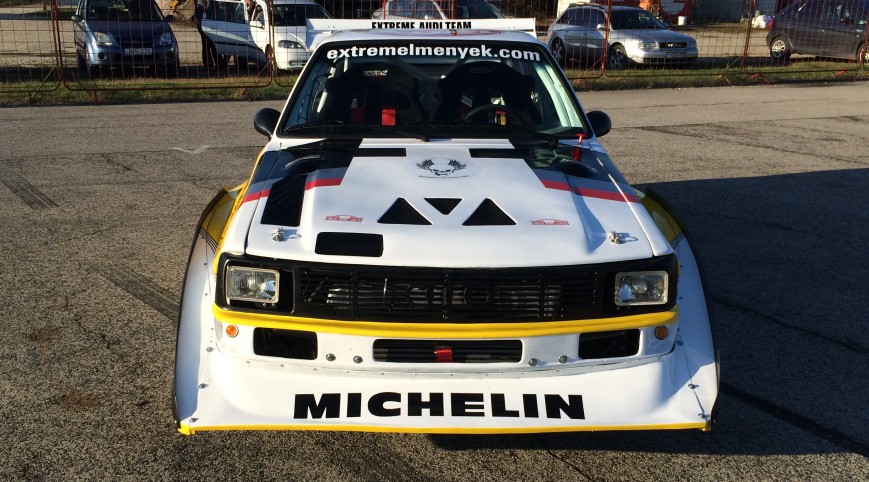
[(123, 34), (635, 37)]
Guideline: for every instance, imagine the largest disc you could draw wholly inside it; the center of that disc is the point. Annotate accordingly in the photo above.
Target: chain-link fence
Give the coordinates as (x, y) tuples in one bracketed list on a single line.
[(97, 45)]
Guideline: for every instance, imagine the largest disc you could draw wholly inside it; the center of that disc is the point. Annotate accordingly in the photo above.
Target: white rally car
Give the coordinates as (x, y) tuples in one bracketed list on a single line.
[(433, 240)]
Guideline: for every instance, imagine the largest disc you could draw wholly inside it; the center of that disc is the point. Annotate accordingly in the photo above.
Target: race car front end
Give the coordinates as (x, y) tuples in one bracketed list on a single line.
[(459, 344), (434, 241)]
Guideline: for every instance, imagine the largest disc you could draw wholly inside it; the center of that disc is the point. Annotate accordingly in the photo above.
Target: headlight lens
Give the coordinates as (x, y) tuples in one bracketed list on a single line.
[(647, 45), (252, 284), (166, 39), (103, 38), (641, 288), (289, 44)]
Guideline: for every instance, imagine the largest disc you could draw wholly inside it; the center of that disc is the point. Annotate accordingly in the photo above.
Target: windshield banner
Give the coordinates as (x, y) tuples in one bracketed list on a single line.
[(320, 28)]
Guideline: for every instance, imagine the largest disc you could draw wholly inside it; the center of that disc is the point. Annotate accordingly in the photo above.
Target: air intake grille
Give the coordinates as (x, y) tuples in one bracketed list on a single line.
[(433, 351), (284, 206), (455, 295)]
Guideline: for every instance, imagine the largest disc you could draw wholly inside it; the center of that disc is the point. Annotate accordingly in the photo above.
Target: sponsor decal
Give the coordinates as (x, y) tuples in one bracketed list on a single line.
[(395, 404), (549, 222), (423, 25), (413, 50), (344, 217)]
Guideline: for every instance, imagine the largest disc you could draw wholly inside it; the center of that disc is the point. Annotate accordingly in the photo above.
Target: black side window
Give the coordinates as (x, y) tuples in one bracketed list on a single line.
[(811, 12)]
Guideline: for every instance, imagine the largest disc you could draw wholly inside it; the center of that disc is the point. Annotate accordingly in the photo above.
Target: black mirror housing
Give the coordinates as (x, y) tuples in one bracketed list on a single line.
[(266, 120), (600, 122)]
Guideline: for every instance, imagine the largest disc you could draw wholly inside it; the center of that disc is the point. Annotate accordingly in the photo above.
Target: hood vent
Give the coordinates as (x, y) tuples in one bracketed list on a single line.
[(284, 206), (489, 214), (350, 244), (442, 204), (401, 212)]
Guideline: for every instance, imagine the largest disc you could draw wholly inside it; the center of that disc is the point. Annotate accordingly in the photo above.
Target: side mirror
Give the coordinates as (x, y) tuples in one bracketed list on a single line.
[(76, 18), (600, 122), (265, 121)]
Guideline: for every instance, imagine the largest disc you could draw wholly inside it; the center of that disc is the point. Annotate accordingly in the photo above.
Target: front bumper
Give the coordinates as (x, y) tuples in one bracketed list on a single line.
[(661, 56), (116, 57), (219, 385), (291, 59)]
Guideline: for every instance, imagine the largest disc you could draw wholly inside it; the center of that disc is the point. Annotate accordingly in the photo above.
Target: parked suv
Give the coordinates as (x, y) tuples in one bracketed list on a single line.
[(259, 34), (123, 34), (635, 36), (826, 28)]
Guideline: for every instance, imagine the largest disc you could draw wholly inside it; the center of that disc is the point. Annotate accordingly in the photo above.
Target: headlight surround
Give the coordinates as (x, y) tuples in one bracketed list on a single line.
[(103, 39), (252, 284), (647, 45), (166, 39), (634, 288), (289, 44)]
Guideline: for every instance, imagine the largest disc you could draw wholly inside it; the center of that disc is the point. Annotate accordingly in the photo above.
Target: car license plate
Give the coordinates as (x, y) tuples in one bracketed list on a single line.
[(674, 55), (141, 51)]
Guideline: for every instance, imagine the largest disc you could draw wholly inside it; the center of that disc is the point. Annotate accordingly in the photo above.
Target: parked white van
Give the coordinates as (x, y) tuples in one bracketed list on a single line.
[(259, 33)]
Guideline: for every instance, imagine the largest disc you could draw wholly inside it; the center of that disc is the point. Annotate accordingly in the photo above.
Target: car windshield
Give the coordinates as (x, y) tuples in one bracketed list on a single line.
[(432, 88), (124, 11), (297, 14), (634, 20)]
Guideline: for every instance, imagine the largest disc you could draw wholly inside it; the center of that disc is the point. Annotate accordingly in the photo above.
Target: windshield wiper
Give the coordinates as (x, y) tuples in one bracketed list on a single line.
[(551, 140)]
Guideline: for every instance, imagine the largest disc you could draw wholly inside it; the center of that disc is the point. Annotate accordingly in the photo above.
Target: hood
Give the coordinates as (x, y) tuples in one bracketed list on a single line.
[(122, 31), (445, 204)]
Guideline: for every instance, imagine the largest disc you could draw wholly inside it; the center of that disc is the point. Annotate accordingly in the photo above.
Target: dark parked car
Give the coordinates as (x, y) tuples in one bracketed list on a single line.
[(825, 28), (123, 34)]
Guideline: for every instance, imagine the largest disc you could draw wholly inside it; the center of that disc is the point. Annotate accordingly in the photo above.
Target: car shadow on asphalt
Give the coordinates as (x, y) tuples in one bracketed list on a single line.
[(784, 260)]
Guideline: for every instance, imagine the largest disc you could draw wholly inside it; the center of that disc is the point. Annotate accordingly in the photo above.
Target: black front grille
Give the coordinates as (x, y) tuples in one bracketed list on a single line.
[(460, 294), (136, 42), (403, 294), (454, 351)]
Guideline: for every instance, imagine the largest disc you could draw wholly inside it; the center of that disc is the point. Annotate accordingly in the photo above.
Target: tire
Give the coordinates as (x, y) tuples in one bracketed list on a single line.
[(864, 51), (779, 50), (557, 49), (82, 66), (617, 59)]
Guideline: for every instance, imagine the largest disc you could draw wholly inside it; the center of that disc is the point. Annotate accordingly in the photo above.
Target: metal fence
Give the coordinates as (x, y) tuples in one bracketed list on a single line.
[(96, 45)]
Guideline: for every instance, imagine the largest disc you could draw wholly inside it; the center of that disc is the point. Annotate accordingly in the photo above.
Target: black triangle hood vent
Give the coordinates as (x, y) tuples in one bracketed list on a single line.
[(489, 214), (401, 212), (443, 204)]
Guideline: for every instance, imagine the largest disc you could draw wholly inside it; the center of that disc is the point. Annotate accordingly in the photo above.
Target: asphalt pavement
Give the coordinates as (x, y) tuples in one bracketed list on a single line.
[(98, 206)]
